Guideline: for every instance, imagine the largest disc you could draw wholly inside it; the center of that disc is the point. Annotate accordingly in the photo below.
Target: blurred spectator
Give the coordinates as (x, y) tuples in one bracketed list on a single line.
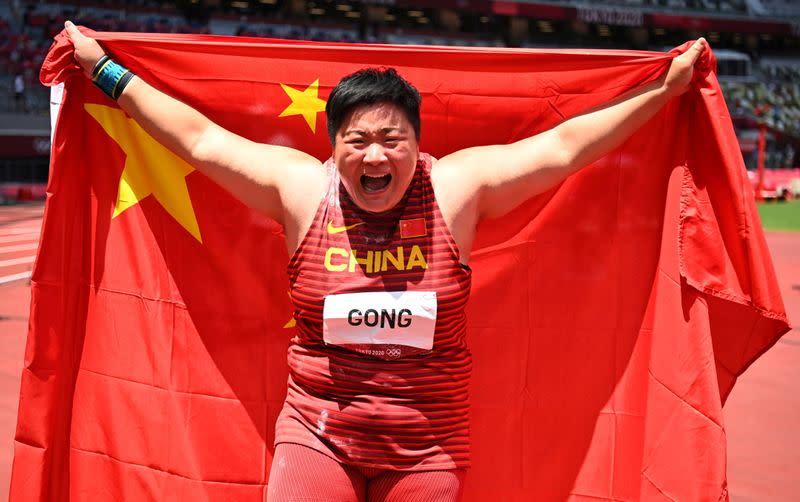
[(19, 93), (773, 98)]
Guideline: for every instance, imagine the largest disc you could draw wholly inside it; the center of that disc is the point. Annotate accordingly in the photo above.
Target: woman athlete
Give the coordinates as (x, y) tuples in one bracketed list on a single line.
[(379, 238)]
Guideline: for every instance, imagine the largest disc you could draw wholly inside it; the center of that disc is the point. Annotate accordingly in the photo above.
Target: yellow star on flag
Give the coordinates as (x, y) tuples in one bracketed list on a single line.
[(291, 323), (150, 169), (305, 103)]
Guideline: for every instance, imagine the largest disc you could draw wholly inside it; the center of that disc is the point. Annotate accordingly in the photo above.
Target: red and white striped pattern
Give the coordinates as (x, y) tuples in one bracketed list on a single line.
[(383, 406), (20, 227)]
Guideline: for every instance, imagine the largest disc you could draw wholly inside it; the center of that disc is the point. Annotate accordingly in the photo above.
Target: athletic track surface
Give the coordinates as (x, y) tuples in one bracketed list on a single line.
[(762, 415)]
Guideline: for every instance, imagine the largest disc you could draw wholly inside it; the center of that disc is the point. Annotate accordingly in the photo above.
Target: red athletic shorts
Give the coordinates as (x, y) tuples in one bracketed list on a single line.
[(303, 474)]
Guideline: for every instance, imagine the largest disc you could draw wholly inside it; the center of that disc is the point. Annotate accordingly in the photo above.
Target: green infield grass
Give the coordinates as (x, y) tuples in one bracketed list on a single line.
[(780, 215)]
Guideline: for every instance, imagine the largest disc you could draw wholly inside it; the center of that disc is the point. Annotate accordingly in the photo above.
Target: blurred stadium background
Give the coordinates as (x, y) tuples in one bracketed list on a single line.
[(757, 43)]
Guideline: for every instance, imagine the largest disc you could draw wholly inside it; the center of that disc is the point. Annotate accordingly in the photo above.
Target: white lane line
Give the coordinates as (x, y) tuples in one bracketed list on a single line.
[(32, 236), (19, 247), (17, 261), (15, 277), (20, 230)]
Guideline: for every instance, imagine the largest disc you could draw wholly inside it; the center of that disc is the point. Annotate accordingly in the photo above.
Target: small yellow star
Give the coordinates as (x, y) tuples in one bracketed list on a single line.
[(150, 169), (292, 322), (305, 103)]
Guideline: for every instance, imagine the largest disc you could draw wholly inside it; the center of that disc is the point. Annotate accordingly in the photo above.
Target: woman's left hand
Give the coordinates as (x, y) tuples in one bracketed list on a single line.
[(680, 72), (87, 50)]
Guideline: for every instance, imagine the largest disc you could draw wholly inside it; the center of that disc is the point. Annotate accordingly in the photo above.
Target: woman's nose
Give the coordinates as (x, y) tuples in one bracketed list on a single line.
[(374, 154)]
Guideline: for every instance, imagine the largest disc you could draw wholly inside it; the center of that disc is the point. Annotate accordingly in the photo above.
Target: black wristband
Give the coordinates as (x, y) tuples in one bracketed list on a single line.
[(121, 84), (99, 64)]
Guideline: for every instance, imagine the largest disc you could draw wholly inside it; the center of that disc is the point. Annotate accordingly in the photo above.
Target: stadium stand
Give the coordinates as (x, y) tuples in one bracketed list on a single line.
[(774, 8), (757, 43)]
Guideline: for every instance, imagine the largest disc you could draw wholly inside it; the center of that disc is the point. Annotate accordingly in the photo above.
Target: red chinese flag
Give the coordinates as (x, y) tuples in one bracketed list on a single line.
[(609, 317)]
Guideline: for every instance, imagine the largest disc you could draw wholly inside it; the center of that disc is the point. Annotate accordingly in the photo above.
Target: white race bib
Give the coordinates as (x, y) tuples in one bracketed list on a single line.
[(405, 318)]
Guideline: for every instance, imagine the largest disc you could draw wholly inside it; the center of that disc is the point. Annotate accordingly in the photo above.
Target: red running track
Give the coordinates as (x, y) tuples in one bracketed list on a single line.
[(762, 414), (20, 226)]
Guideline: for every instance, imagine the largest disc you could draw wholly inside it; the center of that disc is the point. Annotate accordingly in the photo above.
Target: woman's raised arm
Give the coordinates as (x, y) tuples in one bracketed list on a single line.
[(265, 177)]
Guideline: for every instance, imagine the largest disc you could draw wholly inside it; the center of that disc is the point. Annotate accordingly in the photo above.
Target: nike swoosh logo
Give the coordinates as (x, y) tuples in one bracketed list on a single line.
[(336, 230)]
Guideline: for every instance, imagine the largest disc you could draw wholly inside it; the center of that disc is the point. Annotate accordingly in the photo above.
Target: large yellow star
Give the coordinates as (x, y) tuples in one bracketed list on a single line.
[(305, 103), (149, 169)]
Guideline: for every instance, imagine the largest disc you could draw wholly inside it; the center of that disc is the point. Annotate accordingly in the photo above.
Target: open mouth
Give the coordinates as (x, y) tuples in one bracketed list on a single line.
[(375, 183)]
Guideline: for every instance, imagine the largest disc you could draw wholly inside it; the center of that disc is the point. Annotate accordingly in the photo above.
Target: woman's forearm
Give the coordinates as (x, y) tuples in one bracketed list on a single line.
[(172, 123), (590, 136)]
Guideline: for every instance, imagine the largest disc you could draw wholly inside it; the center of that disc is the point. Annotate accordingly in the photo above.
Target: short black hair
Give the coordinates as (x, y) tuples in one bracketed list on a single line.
[(370, 86)]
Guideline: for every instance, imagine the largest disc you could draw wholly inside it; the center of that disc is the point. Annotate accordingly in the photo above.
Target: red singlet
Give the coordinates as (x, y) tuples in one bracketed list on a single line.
[(372, 382)]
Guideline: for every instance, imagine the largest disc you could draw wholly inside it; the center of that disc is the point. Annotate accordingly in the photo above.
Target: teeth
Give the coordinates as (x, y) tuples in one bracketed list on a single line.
[(372, 183)]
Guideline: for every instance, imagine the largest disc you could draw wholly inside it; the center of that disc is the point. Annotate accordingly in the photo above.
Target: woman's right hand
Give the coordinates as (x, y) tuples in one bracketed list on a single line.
[(87, 51)]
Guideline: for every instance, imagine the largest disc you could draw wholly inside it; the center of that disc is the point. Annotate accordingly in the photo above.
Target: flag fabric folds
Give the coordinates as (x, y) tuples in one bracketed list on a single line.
[(609, 318)]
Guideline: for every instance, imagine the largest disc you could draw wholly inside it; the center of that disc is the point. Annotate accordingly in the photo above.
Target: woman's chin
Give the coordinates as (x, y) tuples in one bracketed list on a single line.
[(376, 202), (375, 208)]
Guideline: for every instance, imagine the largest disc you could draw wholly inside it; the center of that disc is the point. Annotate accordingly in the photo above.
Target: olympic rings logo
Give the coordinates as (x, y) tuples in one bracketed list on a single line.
[(394, 353)]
